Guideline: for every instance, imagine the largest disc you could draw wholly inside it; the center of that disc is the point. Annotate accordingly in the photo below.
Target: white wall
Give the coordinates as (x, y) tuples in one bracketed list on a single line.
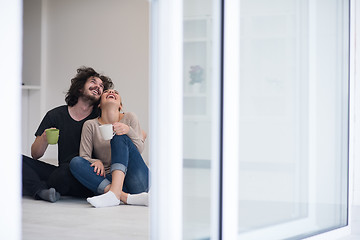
[(111, 36)]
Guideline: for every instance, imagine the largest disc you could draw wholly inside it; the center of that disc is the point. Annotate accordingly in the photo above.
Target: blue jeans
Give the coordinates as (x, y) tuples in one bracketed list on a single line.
[(124, 157)]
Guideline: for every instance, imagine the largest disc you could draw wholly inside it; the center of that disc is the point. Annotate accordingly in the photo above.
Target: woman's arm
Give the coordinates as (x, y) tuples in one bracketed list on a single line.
[(133, 130), (86, 142), (144, 135), (87, 147)]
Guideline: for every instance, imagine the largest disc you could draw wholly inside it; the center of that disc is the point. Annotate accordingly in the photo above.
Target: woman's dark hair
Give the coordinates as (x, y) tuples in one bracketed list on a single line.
[(78, 83)]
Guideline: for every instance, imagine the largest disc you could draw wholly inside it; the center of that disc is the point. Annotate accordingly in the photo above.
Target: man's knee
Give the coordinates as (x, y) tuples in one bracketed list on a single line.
[(61, 179)]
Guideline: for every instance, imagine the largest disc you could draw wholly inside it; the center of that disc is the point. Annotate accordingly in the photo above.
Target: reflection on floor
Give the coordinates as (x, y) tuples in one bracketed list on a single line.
[(196, 223), (71, 218), (196, 206)]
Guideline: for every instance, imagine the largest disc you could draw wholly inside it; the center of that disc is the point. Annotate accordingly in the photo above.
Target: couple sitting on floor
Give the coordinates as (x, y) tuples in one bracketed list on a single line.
[(112, 170)]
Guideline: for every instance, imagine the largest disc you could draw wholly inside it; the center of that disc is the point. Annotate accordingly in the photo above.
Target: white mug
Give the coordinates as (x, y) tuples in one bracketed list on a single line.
[(107, 131)]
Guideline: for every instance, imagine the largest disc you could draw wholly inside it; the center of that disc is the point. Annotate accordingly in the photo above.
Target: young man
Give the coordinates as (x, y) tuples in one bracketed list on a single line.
[(45, 181)]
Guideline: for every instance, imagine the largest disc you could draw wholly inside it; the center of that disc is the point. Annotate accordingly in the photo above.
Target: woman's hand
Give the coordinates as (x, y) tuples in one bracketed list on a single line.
[(121, 128), (98, 168)]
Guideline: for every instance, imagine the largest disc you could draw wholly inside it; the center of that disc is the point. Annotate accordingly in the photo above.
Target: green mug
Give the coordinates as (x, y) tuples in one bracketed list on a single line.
[(52, 135)]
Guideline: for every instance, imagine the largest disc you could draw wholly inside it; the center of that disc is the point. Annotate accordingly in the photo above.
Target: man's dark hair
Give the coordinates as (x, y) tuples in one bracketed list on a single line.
[(78, 83)]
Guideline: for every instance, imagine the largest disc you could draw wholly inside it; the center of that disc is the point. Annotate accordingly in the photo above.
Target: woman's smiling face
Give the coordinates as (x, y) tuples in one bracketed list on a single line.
[(110, 95)]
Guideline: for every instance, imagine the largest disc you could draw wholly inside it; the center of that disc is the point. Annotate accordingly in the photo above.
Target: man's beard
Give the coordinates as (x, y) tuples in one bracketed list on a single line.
[(89, 97)]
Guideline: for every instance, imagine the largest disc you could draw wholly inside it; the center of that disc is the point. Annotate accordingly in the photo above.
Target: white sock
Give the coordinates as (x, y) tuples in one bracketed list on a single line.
[(105, 200), (138, 199)]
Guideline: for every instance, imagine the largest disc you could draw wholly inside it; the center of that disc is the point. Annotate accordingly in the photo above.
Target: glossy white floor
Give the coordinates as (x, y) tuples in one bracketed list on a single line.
[(75, 219), (71, 218)]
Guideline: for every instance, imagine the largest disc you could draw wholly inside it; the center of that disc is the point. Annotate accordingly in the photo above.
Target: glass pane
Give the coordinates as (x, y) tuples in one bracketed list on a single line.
[(200, 104), (294, 116)]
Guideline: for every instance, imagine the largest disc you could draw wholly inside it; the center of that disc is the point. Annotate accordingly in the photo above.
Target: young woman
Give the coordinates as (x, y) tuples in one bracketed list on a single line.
[(113, 168)]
